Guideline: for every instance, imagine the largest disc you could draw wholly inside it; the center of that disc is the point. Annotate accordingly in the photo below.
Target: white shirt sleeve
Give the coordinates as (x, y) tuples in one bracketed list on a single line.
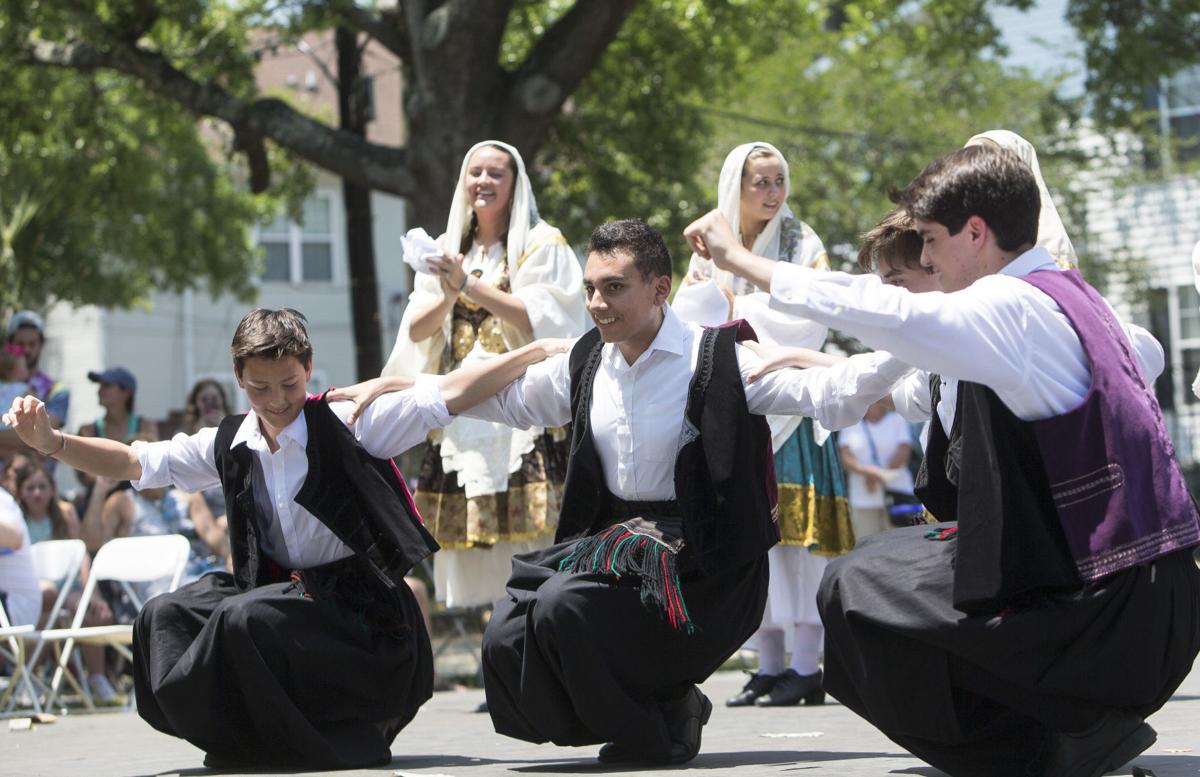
[(1149, 351), (542, 397), (186, 461), (980, 334), (398, 420), (836, 396), (911, 397)]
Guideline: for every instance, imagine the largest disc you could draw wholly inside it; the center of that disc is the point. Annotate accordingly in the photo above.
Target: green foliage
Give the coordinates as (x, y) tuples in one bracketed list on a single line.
[(638, 128), (861, 109), (109, 194)]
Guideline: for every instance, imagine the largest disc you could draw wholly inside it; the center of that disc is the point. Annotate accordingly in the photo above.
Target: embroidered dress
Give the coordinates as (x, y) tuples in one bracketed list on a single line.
[(814, 514), (487, 491)]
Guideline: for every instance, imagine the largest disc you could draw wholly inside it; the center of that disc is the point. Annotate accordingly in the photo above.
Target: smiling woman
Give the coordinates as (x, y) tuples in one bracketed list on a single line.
[(506, 277), (813, 511)]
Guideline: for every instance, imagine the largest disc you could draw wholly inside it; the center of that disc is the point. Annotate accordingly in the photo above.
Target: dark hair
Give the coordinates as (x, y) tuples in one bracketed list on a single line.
[(468, 237), (892, 242), (58, 524), (642, 241), (191, 415), (271, 334), (986, 181)]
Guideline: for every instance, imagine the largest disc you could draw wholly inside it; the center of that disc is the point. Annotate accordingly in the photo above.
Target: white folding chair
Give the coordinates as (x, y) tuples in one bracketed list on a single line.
[(58, 561), (14, 637), (125, 560)]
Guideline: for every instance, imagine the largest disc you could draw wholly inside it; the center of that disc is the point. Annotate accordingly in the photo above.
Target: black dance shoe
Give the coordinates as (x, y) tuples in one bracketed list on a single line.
[(685, 721), (1107, 746), (790, 688), (755, 687)]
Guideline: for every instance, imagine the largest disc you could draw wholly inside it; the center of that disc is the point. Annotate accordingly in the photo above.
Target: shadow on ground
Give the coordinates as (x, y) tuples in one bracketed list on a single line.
[(703, 761)]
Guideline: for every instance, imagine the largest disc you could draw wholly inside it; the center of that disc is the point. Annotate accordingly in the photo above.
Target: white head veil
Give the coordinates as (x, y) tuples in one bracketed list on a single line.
[(522, 214), (1052, 235), (729, 202)]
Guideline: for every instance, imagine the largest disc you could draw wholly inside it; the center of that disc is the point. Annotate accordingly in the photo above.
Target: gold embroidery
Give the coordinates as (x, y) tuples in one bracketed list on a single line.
[(820, 523)]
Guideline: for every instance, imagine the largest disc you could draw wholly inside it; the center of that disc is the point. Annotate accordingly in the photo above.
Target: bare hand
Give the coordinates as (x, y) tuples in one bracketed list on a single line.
[(451, 273), (552, 346), (363, 394), (780, 357), (28, 418), (711, 236), (874, 479)]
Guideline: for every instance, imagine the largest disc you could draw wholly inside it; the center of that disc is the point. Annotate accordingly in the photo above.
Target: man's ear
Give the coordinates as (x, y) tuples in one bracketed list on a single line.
[(237, 373), (308, 371), (662, 289), (978, 230)]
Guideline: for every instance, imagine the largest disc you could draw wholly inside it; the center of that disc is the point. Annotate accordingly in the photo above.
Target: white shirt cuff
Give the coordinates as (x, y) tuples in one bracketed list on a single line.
[(155, 460)]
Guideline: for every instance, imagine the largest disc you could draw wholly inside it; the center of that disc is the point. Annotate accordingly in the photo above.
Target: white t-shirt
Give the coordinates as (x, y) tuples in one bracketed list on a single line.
[(888, 434), (18, 578)]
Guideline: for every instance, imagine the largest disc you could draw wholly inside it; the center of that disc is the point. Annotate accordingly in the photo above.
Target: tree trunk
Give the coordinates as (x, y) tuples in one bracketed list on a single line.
[(360, 240)]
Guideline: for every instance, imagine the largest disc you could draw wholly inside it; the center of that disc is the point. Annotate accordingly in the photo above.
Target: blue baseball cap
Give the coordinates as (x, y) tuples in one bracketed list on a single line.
[(118, 376)]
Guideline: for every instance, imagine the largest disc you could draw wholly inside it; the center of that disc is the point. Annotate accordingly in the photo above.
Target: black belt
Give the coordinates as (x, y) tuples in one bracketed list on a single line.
[(622, 509)]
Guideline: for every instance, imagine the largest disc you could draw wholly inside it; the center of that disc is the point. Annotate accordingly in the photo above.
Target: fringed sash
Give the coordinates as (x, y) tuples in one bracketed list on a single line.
[(645, 548)]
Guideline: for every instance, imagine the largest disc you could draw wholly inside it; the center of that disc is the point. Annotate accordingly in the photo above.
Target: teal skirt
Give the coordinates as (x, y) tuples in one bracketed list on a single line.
[(813, 510)]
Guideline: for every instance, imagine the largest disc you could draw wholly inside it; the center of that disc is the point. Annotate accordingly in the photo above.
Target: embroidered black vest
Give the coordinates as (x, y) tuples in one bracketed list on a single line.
[(362, 499), (724, 474)]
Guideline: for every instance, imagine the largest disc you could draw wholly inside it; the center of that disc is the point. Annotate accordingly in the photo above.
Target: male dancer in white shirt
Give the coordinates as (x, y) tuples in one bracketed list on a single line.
[(1034, 634), (660, 571), (312, 654)]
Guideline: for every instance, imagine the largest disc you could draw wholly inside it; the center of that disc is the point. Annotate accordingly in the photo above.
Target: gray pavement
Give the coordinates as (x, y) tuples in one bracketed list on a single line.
[(448, 739)]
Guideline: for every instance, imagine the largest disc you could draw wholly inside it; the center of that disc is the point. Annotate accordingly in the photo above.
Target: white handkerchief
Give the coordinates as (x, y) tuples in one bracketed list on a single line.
[(419, 248), (702, 303)]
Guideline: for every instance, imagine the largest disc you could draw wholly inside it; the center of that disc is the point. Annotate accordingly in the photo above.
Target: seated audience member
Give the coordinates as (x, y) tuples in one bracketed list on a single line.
[(19, 591), (207, 405), (117, 390), (49, 518)]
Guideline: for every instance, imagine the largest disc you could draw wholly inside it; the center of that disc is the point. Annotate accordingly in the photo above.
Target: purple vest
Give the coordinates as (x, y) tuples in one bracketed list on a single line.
[(1114, 479)]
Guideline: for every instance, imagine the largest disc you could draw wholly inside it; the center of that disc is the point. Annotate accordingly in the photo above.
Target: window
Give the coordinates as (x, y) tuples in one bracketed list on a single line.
[(1179, 116), (1175, 321), (296, 253)]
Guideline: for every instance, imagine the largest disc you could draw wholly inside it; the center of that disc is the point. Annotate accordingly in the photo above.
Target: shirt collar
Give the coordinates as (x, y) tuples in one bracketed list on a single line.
[(251, 434), (1034, 259), (672, 338)]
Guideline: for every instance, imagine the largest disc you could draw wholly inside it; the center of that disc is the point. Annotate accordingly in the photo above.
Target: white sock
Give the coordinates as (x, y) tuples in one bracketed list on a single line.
[(770, 651), (806, 650)]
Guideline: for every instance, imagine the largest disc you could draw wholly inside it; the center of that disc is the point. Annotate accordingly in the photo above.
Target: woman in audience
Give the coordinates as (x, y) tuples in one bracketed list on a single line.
[(49, 518)]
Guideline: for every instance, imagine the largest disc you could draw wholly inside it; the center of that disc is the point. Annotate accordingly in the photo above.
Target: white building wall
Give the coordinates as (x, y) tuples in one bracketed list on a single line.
[(153, 340)]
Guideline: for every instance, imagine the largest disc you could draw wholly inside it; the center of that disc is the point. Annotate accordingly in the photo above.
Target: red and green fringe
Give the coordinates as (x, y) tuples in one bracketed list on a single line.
[(619, 551)]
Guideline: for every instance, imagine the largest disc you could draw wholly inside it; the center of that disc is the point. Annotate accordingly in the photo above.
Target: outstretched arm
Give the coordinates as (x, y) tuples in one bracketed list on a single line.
[(462, 388), (711, 237), (97, 455)]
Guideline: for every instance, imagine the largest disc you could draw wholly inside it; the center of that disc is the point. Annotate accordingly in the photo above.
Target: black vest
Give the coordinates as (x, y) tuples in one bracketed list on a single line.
[(360, 498), (988, 475), (724, 476)]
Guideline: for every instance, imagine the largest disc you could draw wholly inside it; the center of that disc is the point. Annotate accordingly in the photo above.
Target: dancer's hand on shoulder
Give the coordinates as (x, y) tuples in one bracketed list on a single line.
[(780, 357), (553, 346), (364, 393)]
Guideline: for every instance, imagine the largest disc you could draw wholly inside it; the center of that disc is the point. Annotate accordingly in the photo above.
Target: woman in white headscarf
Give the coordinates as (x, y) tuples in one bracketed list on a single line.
[(814, 518), (1052, 235), (487, 491)]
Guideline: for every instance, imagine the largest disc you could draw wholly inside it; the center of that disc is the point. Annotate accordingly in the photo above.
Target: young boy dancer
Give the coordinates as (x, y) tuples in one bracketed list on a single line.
[(1034, 633), (313, 653)]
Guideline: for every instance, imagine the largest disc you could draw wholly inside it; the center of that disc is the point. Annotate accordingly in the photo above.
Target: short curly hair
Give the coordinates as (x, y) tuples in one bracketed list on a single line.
[(643, 242)]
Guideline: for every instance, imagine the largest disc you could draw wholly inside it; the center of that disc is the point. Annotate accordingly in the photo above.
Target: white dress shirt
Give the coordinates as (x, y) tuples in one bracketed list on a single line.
[(637, 412), (1000, 331), (392, 424)]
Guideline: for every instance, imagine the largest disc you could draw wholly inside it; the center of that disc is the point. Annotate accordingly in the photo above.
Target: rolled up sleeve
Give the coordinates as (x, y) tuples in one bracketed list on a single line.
[(185, 461)]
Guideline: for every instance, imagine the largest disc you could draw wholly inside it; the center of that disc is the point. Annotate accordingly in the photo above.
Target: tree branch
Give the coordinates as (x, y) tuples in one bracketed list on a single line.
[(386, 27), (376, 166), (558, 63)]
